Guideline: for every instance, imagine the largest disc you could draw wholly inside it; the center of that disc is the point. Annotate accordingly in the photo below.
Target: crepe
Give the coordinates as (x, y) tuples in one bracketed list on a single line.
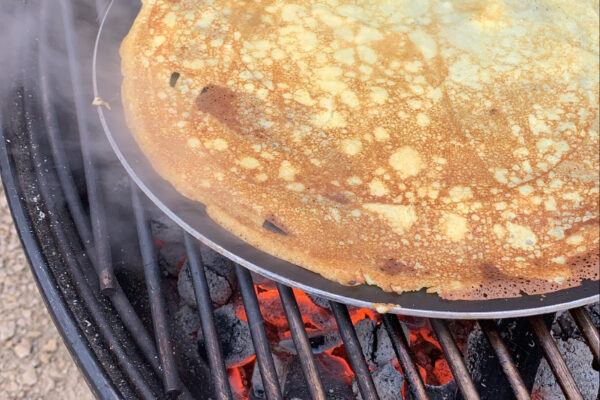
[(449, 145)]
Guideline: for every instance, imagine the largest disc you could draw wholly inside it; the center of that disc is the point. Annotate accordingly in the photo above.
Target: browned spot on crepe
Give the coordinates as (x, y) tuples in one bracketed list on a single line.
[(220, 102)]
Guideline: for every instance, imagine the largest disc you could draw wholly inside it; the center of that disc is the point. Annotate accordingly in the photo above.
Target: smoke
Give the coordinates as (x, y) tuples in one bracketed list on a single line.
[(13, 21), (54, 41), (47, 46)]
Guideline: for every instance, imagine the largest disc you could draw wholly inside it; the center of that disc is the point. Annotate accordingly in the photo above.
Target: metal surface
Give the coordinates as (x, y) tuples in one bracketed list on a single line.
[(490, 329), (155, 295), (405, 357), (555, 360), (588, 330), (104, 267), (193, 218), (56, 304), (81, 220), (355, 353), (67, 253), (209, 330), (300, 338), (455, 359), (256, 324)]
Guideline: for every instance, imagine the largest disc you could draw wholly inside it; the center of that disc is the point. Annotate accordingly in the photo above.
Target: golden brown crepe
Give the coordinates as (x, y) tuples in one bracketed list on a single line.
[(404, 144)]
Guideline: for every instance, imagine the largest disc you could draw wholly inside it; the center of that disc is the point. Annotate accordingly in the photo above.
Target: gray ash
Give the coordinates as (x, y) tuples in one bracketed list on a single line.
[(384, 351), (218, 263), (478, 355), (234, 336), (282, 364), (448, 391), (219, 287), (320, 341), (171, 256), (388, 381), (319, 301), (164, 229), (594, 310), (334, 374), (187, 321), (366, 333), (579, 360)]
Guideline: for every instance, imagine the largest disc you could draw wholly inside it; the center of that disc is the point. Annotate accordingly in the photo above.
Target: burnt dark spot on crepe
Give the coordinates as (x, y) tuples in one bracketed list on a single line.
[(174, 78), (491, 272), (239, 111), (338, 198), (272, 224), (394, 266), (493, 111), (219, 102)]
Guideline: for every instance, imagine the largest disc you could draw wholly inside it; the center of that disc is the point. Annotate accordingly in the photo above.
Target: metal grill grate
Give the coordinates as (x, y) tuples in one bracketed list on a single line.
[(55, 180)]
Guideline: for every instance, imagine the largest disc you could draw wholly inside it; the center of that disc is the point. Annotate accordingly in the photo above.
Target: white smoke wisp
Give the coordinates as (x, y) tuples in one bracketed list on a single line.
[(14, 34)]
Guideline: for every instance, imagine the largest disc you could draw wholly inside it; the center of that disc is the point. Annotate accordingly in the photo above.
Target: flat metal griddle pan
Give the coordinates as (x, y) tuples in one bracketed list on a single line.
[(192, 217)]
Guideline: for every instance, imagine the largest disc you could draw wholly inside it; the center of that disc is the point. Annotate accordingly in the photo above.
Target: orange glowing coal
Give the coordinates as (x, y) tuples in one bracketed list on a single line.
[(427, 352), (239, 388)]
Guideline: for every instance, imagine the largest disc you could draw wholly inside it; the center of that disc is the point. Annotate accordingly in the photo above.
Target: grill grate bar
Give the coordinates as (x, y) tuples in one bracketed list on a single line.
[(256, 323), (405, 357), (355, 354), (134, 325), (300, 338), (209, 331), (119, 300), (490, 329), (59, 156), (140, 335), (104, 326), (155, 295), (94, 193), (588, 330), (46, 191), (554, 358), (455, 359)]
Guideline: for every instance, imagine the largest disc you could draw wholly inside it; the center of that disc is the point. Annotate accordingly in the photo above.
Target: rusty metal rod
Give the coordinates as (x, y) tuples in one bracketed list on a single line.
[(300, 338), (588, 330), (405, 357), (555, 360), (209, 330), (455, 359), (490, 329), (355, 353), (256, 323), (155, 295)]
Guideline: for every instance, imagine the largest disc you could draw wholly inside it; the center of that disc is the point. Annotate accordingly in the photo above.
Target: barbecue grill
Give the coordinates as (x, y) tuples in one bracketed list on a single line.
[(90, 237)]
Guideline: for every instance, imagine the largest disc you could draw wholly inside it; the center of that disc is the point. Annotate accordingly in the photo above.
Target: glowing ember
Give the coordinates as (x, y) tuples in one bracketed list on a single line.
[(356, 314), (239, 388), (341, 362), (442, 371), (317, 320)]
